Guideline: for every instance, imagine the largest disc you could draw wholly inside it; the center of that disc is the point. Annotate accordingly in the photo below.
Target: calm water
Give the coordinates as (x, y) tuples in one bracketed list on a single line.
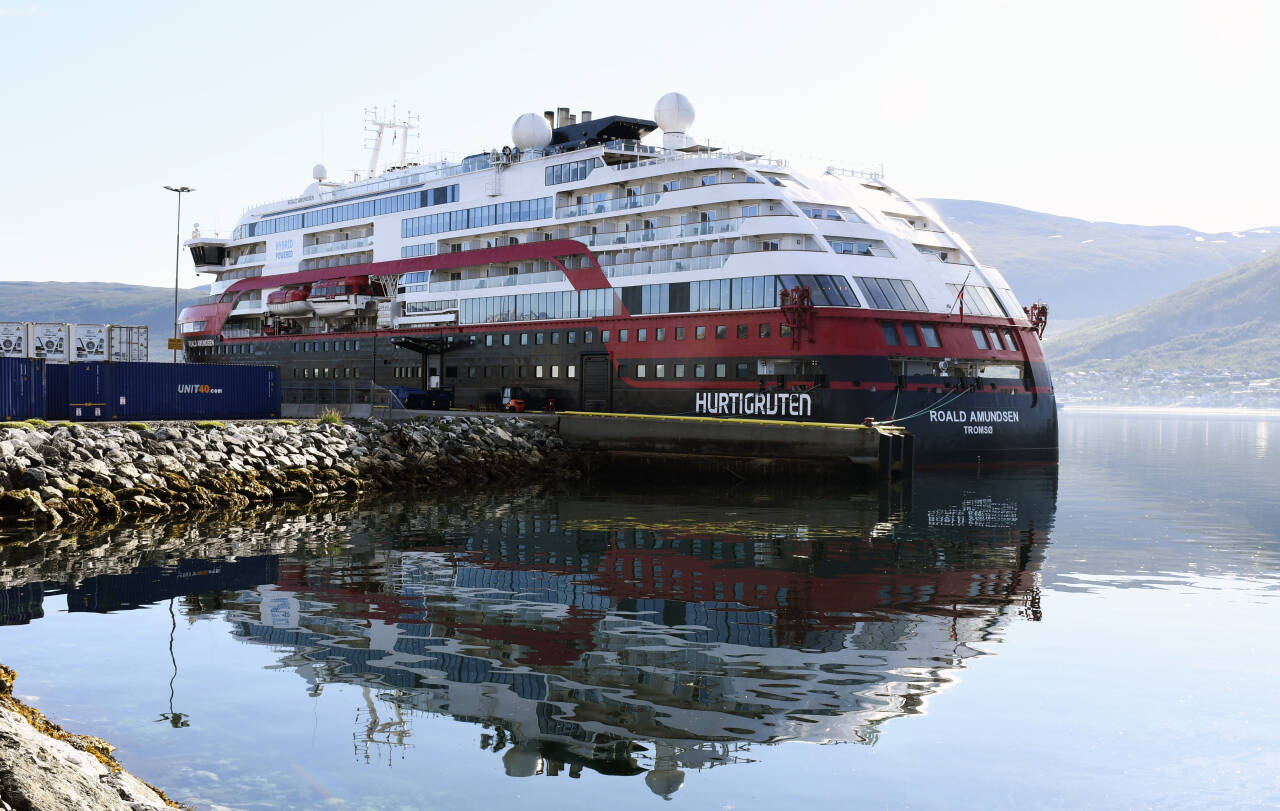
[(1101, 635)]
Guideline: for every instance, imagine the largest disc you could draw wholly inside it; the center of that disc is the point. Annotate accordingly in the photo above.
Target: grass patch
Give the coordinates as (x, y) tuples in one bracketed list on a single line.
[(37, 422), (10, 424), (285, 422), (137, 426), (329, 417), (209, 424)]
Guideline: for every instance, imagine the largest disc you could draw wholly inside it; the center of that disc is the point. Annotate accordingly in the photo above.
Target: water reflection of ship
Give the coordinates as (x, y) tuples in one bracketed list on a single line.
[(575, 634)]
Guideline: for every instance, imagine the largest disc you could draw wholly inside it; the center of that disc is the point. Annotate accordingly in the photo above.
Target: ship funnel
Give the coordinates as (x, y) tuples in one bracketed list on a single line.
[(562, 116), (586, 116), (550, 115)]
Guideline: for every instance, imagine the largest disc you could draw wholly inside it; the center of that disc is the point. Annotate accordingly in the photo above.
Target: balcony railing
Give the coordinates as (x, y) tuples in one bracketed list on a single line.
[(334, 247), (545, 277), (692, 263), (251, 259), (612, 204), (693, 229)]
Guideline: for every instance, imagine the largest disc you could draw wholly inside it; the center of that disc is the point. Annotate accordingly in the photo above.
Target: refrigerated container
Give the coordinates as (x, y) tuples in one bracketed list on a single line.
[(13, 339), (49, 341), (88, 342), (127, 343)]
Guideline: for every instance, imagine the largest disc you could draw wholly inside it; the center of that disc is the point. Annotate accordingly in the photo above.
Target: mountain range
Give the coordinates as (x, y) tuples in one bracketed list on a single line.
[(97, 303), (1087, 269)]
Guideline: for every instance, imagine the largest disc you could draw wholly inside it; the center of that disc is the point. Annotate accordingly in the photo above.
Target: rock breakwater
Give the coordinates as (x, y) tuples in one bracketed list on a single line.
[(66, 474)]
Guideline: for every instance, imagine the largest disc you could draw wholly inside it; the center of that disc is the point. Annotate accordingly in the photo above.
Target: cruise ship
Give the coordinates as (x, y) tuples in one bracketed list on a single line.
[(617, 264)]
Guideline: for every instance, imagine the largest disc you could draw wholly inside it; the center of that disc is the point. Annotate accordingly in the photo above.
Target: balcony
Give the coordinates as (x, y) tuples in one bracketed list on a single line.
[(250, 259), (545, 277), (334, 247)]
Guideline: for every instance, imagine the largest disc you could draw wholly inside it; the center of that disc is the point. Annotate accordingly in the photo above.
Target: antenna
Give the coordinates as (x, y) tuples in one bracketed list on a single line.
[(377, 123)]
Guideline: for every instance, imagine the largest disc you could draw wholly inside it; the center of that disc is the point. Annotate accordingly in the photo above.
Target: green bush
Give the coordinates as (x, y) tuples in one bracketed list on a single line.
[(137, 426), (22, 425), (208, 424), (37, 422), (285, 422), (329, 417)]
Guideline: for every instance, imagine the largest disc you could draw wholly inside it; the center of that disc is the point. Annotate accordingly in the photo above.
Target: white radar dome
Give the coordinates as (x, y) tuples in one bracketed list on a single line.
[(531, 131), (674, 113), (319, 173)]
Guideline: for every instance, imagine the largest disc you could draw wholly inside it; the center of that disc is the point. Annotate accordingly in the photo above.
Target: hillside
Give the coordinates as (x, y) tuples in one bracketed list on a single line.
[(1214, 342), (1086, 269), (96, 303)]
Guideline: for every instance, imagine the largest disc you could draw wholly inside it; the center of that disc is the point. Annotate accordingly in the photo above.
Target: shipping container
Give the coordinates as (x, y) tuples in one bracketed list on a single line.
[(55, 391), (179, 391), (88, 342), (49, 342), (127, 343), (13, 339), (21, 388)]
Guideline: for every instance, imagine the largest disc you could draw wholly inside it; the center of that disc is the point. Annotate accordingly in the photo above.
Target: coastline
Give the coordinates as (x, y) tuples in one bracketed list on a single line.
[(1173, 411)]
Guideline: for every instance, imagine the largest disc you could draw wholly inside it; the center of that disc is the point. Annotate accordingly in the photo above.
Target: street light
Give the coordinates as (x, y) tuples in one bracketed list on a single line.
[(177, 253)]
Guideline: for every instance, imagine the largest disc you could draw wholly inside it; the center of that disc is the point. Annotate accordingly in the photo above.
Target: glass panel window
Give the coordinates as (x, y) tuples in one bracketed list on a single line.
[(722, 369), (623, 335), (742, 330), (604, 336), (573, 336), (555, 372), (764, 330), (930, 333), (660, 334), (700, 333), (699, 370), (660, 370), (679, 370), (524, 339), (742, 370), (571, 372), (722, 331), (537, 371), (979, 337), (909, 335), (640, 370), (679, 333), (890, 334), (1009, 343), (642, 335)]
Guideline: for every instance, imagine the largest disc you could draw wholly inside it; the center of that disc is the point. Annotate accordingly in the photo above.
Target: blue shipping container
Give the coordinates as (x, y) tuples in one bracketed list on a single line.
[(172, 391), (55, 391), (21, 388)]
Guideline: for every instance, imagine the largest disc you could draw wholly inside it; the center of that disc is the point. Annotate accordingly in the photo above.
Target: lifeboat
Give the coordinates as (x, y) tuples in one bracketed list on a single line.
[(340, 297), (291, 303)]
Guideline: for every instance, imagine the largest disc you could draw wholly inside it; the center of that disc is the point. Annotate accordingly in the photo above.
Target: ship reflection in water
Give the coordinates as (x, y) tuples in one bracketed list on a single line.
[(638, 634)]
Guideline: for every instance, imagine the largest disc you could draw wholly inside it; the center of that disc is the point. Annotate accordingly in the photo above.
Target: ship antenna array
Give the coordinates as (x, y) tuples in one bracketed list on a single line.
[(377, 123)]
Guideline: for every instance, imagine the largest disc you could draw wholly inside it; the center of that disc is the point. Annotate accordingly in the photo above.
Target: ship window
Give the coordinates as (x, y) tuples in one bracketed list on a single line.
[(571, 372), (708, 180), (295, 372), (660, 334), (521, 371), (721, 369), (774, 180), (555, 338), (488, 340), (640, 370), (357, 345), (700, 333), (524, 339), (348, 346), (979, 337), (679, 333), (742, 371), (699, 370), (506, 371), (488, 371), (537, 371), (306, 374), (722, 331), (555, 372), (471, 371), (572, 337), (622, 369), (679, 370), (538, 338), (604, 336), (909, 335), (930, 335), (295, 346), (659, 370), (764, 330), (1009, 343), (622, 335), (588, 335), (743, 330), (993, 337), (784, 330), (506, 339), (751, 211), (890, 334)]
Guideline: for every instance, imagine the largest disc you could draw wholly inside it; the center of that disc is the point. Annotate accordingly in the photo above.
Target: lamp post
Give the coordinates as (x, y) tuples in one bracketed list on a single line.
[(177, 253)]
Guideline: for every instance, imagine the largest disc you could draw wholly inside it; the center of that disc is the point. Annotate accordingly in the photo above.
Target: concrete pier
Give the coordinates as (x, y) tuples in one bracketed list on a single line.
[(747, 448)]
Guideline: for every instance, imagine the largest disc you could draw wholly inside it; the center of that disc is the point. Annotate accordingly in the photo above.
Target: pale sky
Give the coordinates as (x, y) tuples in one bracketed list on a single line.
[(1157, 113)]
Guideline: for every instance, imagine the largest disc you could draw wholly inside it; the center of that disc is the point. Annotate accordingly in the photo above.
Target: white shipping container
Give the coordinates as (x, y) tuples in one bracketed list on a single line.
[(48, 341), (13, 339), (128, 343), (88, 342)]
